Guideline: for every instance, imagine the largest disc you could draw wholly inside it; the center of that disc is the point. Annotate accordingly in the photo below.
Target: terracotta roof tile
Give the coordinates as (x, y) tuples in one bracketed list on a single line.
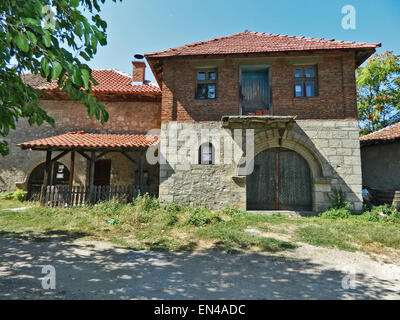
[(110, 81), (93, 140), (384, 135), (255, 42)]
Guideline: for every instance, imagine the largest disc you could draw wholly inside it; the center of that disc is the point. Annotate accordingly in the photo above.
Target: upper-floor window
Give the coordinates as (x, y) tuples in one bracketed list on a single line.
[(305, 81), (206, 84), (206, 153)]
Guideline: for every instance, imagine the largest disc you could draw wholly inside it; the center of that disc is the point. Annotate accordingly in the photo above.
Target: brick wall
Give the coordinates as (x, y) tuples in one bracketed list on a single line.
[(336, 82), (128, 116), (131, 116)]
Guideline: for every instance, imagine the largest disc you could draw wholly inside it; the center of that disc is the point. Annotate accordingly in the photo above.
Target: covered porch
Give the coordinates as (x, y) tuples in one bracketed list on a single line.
[(109, 166)]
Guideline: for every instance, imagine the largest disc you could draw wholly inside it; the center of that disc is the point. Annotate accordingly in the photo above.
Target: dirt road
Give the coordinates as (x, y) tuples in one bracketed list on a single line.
[(99, 270)]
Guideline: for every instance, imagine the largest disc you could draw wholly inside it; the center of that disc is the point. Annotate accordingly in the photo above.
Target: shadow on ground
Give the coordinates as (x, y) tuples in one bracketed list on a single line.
[(104, 271)]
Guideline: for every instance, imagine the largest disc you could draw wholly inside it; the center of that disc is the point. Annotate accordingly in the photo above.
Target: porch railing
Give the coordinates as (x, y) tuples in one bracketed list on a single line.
[(64, 195)]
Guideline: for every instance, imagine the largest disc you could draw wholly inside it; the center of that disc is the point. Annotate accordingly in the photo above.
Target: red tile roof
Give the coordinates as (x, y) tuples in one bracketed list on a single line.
[(93, 140), (110, 81), (255, 42), (387, 134)]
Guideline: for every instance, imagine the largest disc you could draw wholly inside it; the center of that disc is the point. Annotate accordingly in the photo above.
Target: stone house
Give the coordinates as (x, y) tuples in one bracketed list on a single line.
[(251, 120)]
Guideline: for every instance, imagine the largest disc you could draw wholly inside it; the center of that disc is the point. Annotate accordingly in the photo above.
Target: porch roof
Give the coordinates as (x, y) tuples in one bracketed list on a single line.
[(93, 141)]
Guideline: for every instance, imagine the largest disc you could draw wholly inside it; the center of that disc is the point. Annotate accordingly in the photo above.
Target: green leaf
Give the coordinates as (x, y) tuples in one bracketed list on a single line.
[(46, 39), (31, 21), (44, 63), (85, 77), (31, 37), (56, 70), (75, 3), (21, 42)]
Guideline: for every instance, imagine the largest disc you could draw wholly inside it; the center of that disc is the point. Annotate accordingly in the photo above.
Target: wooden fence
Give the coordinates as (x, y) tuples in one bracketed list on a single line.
[(64, 195)]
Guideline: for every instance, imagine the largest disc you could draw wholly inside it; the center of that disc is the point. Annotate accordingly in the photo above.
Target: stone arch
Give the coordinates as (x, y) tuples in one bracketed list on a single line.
[(36, 176), (34, 160), (310, 157), (300, 144)]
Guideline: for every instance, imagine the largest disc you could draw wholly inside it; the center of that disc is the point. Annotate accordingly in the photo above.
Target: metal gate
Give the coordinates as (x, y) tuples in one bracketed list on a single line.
[(281, 180)]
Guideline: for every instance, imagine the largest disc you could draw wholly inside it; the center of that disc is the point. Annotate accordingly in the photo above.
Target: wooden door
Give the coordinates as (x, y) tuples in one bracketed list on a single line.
[(294, 182), (254, 89), (281, 180), (102, 172), (261, 183)]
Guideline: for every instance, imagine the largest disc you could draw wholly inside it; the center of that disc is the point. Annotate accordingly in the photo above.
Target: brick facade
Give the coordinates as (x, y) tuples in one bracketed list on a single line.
[(336, 83)]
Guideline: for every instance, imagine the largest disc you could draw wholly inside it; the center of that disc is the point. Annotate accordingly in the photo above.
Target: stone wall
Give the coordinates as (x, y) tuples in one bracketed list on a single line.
[(330, 147)]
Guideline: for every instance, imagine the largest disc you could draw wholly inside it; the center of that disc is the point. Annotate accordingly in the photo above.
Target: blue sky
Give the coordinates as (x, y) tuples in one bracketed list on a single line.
[(152, 25)]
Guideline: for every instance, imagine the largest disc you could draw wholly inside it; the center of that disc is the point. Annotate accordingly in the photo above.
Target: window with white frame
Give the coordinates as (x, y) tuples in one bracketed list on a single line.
[(206, 153)]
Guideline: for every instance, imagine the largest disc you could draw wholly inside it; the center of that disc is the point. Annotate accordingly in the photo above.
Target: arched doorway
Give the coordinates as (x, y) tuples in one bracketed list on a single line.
[(281, 180), (60, 176)]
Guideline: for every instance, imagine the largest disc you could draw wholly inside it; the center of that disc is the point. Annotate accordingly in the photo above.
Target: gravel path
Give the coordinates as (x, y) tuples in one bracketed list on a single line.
[(99, 270)]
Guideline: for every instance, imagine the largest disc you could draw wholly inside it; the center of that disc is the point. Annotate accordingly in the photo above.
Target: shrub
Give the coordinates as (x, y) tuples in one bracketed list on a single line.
[(385, 209), (7, 195), (170, 218), (369, 216), (339, 200), (395, 216), (201, 217), (20, 195), (147, 203), (342, 213), (232, 212)]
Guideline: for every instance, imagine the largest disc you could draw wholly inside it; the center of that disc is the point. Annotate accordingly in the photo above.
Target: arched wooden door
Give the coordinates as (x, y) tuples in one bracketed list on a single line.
[(281, 180)]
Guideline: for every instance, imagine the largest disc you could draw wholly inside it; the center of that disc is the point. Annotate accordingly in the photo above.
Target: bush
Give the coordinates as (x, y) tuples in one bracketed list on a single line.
[(232, 212), (369, 216), (8, 195), (20, 195), (146, 203), (385, 209), (339, 200), (170, 218), (201, 217), (342, 213)]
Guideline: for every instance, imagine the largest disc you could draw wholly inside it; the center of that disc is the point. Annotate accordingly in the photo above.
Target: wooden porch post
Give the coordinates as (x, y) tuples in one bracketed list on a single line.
[(72, 167), (46, 178), (140, 167), (91, 177), (71, 178)]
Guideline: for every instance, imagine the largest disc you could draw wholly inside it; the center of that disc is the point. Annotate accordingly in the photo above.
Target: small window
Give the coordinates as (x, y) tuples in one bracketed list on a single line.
[(206, 154), (305, 84), (206, 87)]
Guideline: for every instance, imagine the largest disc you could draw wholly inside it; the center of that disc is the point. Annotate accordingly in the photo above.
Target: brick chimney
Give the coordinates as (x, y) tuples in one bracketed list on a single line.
[(138, 72)]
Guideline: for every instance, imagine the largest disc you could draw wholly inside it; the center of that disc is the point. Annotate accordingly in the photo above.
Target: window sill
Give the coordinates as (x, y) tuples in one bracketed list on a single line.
[(306, 98)]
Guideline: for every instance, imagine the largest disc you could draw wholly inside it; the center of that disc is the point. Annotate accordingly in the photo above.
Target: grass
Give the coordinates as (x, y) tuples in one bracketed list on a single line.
[(9, 204), (146, 224)]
